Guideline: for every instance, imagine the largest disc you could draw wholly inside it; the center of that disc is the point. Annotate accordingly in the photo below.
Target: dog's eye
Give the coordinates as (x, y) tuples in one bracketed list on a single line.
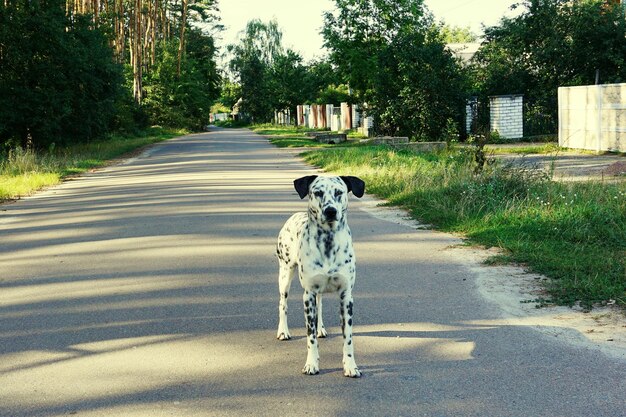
[(319, 193), (338, 193)]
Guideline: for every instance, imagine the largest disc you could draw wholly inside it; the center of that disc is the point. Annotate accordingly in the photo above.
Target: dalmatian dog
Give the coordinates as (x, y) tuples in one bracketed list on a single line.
[(319, 244)]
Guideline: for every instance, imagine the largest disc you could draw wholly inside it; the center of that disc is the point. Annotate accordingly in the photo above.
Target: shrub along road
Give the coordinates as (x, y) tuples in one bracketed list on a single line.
[(149, 288)]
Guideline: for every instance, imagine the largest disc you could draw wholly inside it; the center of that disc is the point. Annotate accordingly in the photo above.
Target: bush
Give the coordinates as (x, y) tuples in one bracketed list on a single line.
[(231, 123)]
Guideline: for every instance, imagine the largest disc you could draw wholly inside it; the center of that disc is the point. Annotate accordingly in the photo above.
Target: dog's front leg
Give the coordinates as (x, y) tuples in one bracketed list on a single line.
[(311, 367), (349, 364), (321, 330)]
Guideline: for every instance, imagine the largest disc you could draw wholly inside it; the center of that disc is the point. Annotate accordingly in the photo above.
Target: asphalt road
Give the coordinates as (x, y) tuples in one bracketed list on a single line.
[(150, 289)]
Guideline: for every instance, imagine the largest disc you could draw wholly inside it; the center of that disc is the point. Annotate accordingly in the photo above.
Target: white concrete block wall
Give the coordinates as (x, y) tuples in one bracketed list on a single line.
[(308, 116), (329, 116), (367, 125), (468, 118), (335, 120), (507, 116), (356, 116)]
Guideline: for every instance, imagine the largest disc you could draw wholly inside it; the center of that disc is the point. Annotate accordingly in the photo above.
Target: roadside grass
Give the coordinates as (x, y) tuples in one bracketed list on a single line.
[(275, 130), (574, 233), (295, 136), (286, 136), (296, 142), (546, 148), (22, 172)]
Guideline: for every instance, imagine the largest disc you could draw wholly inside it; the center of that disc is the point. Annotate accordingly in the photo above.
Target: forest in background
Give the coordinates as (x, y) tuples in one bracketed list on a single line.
[(73, 71)]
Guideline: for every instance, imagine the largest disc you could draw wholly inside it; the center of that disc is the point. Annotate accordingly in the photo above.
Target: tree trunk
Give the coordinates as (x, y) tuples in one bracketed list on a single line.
[(181, 45), (96, 12), (137, 54), (119, 30), (155, 11)]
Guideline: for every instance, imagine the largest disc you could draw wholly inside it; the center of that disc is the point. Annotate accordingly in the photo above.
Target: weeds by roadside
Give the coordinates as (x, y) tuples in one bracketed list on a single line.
[(23, 172), (547, 148)]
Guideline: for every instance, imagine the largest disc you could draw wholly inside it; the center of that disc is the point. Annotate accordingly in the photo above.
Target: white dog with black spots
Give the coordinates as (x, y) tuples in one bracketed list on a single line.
[(319, 244)]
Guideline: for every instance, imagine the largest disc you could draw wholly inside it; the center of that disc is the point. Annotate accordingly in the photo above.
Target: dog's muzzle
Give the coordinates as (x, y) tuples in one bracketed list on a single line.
[(331, 214)]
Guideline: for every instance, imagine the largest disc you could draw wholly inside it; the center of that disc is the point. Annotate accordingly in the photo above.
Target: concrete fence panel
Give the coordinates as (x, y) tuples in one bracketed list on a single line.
[(356, 116), (346, 117), (329, 116), (593, 117), (321, 116), (335, 121), (300, 115), (308, 117), (315, 115)]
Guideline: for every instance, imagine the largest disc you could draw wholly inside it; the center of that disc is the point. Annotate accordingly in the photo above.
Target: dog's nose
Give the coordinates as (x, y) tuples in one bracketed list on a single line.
[(330, 213)]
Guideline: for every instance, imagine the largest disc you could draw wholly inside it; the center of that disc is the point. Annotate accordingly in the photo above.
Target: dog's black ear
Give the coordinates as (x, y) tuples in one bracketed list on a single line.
[(302, 185), (355, 184)]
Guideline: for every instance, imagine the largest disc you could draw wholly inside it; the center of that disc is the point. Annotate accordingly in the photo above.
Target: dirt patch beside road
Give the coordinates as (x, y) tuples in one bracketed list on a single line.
[(515, 291), (571, 165)]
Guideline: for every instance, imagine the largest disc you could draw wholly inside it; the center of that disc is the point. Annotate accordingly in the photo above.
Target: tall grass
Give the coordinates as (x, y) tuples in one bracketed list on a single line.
[(23, 172), (574, 233)]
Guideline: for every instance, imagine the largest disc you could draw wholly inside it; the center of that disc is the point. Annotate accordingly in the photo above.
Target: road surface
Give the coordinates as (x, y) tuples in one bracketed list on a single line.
[(149, 288)]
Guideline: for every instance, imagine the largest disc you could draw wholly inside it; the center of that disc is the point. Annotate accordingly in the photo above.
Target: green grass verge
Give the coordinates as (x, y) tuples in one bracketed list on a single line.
[(548, 148), (274, 130), (286, 136), (22, 172), (574, 233), (295, 136), (296, 142)]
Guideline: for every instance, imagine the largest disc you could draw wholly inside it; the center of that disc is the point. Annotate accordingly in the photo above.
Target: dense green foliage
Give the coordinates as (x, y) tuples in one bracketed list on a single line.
[(552, 43), (58, 81), (259, 47), (575, 233), (394, 58), (62, 82), (457, 34), (270, 77), (185, 100)]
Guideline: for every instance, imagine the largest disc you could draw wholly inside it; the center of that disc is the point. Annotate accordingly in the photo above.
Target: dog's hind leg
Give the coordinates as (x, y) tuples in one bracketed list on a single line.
[(311, 367), (349, 364), (321, 330), (285, 275)]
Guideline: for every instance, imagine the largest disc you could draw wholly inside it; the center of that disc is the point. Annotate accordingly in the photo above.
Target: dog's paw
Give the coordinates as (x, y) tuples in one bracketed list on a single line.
[(310, 369), (321, 332), (283, 336), (350, 369), (352, 372)]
